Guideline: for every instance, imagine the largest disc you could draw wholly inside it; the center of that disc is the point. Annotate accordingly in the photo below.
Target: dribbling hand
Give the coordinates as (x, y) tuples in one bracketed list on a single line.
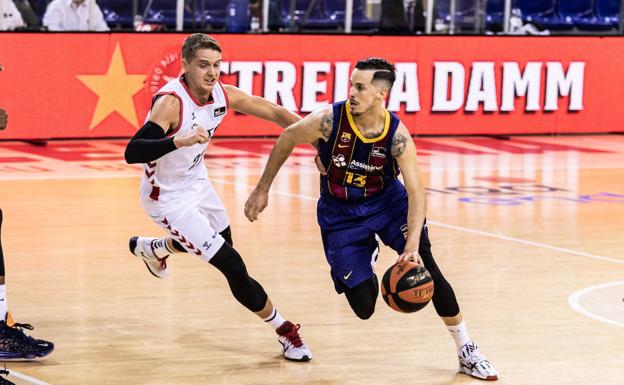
[(411, 256), (257, 201), (199, 135)]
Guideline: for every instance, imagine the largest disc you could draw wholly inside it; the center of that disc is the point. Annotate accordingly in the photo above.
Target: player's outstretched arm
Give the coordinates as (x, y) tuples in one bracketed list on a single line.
[(150, 142), (259, 107), (317, 125), (404, 151)]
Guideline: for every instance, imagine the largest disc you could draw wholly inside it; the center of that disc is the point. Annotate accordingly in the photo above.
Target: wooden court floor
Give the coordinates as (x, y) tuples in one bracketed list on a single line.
[(527, 230)]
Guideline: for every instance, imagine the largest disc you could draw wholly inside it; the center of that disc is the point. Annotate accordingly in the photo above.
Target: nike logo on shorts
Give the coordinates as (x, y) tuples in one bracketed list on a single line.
[(347, 275)]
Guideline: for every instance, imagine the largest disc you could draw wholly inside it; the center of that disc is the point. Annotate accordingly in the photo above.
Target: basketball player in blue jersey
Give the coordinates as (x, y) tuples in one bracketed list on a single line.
[(363, 148), (176, 192), (15, 344)]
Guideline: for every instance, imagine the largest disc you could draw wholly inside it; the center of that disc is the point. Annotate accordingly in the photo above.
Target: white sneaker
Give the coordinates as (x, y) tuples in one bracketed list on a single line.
[(144, 247), (474, 364), (294, 348)]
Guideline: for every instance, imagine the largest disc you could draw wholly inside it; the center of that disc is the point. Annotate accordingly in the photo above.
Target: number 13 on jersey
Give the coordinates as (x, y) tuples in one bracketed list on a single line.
[(355, 179)]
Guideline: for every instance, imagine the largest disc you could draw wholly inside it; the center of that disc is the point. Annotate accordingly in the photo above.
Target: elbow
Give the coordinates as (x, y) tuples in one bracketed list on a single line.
[(288, 138)]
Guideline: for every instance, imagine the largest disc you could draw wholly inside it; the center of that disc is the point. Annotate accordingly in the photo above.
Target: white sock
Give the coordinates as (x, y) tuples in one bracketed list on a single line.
[(459, 334), (160, 247), (3, 303), (275, 319)]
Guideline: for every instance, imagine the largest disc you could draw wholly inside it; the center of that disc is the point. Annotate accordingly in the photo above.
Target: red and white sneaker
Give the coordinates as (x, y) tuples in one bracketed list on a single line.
[(147, 248), (474, 364), (294, 347)]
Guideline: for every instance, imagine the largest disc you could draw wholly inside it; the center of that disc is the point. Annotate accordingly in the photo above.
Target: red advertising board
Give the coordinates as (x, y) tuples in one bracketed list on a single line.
[(63, 85)]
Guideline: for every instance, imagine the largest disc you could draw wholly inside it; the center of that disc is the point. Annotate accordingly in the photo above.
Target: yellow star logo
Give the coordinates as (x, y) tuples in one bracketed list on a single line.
[(115, 90)]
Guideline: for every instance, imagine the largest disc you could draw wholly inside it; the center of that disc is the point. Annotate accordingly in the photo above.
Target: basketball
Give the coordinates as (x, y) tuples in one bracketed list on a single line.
[(407, 287)]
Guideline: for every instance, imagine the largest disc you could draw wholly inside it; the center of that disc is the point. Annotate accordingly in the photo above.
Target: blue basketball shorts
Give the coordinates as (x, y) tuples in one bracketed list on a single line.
[(351, 230)]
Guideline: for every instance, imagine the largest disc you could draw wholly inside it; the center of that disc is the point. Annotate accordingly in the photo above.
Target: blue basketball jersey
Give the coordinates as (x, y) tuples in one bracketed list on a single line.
[(357, 167)]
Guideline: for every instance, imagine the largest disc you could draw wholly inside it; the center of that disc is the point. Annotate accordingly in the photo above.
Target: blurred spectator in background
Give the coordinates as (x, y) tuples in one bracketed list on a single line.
[(10, 16), (74, 15), (393, 18), (28, 14), (402, 16)]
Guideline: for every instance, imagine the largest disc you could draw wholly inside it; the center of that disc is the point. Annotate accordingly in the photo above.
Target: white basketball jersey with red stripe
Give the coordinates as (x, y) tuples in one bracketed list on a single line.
[(182, 167)]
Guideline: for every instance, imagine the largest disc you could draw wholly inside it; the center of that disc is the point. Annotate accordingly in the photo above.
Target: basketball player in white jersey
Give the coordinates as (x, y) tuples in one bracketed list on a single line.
[(175, 190)]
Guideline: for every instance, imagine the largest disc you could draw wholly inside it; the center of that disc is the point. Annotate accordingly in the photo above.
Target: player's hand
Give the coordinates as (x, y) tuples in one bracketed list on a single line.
[(198, 135), (319, 164), (257, 201), (411, 256), (3, 119)]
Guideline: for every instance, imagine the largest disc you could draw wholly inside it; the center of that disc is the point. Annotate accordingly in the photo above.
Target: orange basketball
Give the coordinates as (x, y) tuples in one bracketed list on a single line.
[(407, 287)]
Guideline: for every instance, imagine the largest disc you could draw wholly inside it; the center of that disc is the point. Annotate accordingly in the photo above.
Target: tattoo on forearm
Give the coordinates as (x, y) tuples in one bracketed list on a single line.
[(398, 145), (327, 125)]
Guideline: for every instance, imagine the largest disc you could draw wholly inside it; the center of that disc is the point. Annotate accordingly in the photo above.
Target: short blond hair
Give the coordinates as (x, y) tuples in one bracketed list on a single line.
[(197, 41)]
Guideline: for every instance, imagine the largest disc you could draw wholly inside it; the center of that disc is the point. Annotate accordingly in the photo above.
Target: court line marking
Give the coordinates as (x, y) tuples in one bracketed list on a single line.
[(574, 299), (26, 378), (453, 227)]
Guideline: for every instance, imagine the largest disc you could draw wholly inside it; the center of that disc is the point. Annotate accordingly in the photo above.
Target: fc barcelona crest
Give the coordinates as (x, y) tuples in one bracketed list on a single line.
[(346, 137)]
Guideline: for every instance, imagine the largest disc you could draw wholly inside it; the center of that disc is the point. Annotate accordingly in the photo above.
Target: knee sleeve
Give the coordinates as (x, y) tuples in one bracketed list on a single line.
[(362, 297), (244, 288), (443, 299)]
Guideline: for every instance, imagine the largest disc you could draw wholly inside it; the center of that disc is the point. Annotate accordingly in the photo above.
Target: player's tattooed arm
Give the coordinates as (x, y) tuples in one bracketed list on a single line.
[(327, 124), (398, 145)]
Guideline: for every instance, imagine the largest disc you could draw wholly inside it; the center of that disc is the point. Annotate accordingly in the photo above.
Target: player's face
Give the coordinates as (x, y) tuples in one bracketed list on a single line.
[(363, 94), (203, 70)]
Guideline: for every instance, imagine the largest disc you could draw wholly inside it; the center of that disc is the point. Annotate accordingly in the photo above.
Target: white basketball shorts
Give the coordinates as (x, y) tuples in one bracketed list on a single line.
[(194, 217)]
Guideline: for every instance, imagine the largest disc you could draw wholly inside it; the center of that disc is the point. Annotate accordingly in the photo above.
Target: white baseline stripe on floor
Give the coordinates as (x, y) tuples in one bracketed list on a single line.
[(26, 378)]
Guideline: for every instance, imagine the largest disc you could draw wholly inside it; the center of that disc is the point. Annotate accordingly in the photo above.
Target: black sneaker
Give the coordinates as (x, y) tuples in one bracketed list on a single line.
[(4, 381), (15, 344)]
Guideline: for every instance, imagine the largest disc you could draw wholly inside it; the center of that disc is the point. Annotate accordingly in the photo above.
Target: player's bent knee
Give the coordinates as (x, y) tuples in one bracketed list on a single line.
[(362, 298), (364, 312), (228, 261), (244, 288)]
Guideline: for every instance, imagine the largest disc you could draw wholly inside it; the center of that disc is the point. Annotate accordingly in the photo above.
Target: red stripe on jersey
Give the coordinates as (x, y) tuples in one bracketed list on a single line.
[(190, 94), (227, 100), (337, 190), (172, 132), (155, 193)]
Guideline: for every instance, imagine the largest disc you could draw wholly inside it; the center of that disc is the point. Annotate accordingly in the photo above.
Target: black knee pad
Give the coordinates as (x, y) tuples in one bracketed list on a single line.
[(363, 297), (443, 299), (244, 288)]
